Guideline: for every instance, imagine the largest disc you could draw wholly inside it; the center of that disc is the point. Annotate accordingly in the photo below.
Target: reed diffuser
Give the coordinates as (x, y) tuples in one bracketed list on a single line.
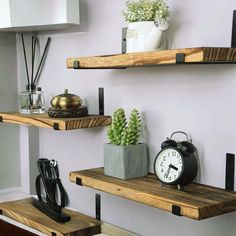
[(31, 101)]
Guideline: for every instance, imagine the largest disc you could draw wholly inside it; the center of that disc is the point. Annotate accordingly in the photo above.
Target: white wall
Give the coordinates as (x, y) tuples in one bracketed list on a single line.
[(199, 99), (9, 134)]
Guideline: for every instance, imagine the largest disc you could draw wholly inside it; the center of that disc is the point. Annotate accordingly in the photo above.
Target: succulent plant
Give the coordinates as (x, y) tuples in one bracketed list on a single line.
[(118, 126), (119, 133), (146, 10)]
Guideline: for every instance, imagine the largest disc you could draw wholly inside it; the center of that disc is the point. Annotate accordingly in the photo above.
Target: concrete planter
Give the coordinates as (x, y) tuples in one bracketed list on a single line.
[(125, 162)]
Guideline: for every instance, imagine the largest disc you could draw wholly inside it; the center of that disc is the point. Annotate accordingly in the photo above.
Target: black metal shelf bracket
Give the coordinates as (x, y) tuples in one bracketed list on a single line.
[(101, 101), (180, 58), (1, 120), (54, 234), (76, 65), (233, 38), (123, 44), (0, 211), (176, 210), (229, 171), (78, 181), (98, 206), (56, 126)]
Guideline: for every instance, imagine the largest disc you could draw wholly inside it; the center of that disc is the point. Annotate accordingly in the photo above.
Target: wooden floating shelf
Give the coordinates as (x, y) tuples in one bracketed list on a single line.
[(202, 55), (24, 212), (43, 120), (197, 201)]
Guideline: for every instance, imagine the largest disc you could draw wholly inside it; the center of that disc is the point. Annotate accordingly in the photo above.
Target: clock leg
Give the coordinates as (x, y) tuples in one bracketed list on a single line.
[(180, 188)]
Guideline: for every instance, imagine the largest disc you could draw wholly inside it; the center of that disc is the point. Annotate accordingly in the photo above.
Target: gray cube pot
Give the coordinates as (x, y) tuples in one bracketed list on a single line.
[(125, 162)]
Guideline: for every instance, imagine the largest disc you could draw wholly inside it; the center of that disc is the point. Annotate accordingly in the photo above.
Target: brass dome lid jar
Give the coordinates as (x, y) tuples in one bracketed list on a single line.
[(66, 100)]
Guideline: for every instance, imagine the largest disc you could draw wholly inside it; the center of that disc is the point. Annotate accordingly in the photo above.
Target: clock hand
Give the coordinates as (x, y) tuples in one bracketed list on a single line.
[(167, 173), (173, 167)]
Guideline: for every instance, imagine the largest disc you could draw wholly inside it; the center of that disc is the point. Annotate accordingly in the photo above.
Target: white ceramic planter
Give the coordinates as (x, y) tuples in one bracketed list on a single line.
[(125, 162), (144, 36)]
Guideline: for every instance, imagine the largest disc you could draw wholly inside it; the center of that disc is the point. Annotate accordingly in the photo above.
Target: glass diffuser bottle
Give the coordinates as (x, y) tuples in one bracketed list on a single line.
[(31, 101)]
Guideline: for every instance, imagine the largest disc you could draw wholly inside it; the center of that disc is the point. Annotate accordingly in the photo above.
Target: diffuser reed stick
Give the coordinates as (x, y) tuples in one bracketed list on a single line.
[(34, 41), (33, 81), (36, 78), (25, 58)]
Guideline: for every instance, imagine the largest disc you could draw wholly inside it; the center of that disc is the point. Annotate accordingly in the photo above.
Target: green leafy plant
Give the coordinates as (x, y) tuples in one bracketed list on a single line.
[(146, 10), (121, 133)]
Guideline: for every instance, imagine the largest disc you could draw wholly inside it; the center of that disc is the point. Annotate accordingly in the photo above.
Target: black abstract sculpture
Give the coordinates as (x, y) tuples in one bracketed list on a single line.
[(50, 191)]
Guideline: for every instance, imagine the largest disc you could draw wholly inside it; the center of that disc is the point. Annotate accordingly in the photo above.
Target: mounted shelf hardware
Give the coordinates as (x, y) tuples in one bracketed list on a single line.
[(197, 201), (75, 65), (78, 181), (202, 55), (180, 58), (98, 206), (233, 39), (44, 121), (56, 126), (101, 101), (123, 40), (229, 172), (176, 210)]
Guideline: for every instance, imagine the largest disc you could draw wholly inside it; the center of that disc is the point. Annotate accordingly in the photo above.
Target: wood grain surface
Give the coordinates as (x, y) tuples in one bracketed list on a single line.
[(24, 212), (43, 120), (165, 57), (197, 201)]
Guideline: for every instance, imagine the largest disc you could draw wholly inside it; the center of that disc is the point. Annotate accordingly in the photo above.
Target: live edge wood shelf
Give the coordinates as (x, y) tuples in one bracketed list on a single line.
[(43, 120), (201, 55), (24, 212), (197, 201)]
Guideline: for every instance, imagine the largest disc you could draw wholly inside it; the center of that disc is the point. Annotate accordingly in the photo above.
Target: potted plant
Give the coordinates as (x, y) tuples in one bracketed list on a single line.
[(147, 22), (124, 157)]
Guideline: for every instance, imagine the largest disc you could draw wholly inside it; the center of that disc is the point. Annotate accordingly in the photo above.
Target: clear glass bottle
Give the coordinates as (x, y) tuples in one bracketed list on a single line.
[(31, 102)]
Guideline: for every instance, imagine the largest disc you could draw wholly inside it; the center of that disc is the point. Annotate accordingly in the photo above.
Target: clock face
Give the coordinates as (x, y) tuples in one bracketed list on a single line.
[(168, 165)]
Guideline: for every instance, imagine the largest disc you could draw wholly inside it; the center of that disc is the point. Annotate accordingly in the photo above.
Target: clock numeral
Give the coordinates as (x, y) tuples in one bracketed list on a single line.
[(169, 178), (161, 164), (162, 170), (173, 153), (175, 176), (164, 158)]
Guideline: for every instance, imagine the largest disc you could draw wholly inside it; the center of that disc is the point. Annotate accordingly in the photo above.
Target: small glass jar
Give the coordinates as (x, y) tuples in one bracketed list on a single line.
[(31, 102)]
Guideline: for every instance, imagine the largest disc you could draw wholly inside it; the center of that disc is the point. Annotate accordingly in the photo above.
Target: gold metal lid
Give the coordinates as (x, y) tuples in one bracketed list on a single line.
[(66, 100)]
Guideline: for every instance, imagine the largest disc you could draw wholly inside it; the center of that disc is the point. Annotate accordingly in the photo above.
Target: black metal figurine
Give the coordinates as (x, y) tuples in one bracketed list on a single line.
[(49, 177)]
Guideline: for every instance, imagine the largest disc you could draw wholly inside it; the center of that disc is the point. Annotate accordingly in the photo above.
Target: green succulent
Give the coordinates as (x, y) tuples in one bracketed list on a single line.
[(145, 10), (119, 133), (118, 126)]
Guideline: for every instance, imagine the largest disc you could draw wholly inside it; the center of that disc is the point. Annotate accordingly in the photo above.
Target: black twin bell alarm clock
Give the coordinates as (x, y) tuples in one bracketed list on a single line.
[(176, 163)]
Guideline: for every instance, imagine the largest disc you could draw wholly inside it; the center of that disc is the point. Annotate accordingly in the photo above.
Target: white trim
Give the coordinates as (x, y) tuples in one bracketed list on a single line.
[(12, 194), (10, 190), (24, 159)]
